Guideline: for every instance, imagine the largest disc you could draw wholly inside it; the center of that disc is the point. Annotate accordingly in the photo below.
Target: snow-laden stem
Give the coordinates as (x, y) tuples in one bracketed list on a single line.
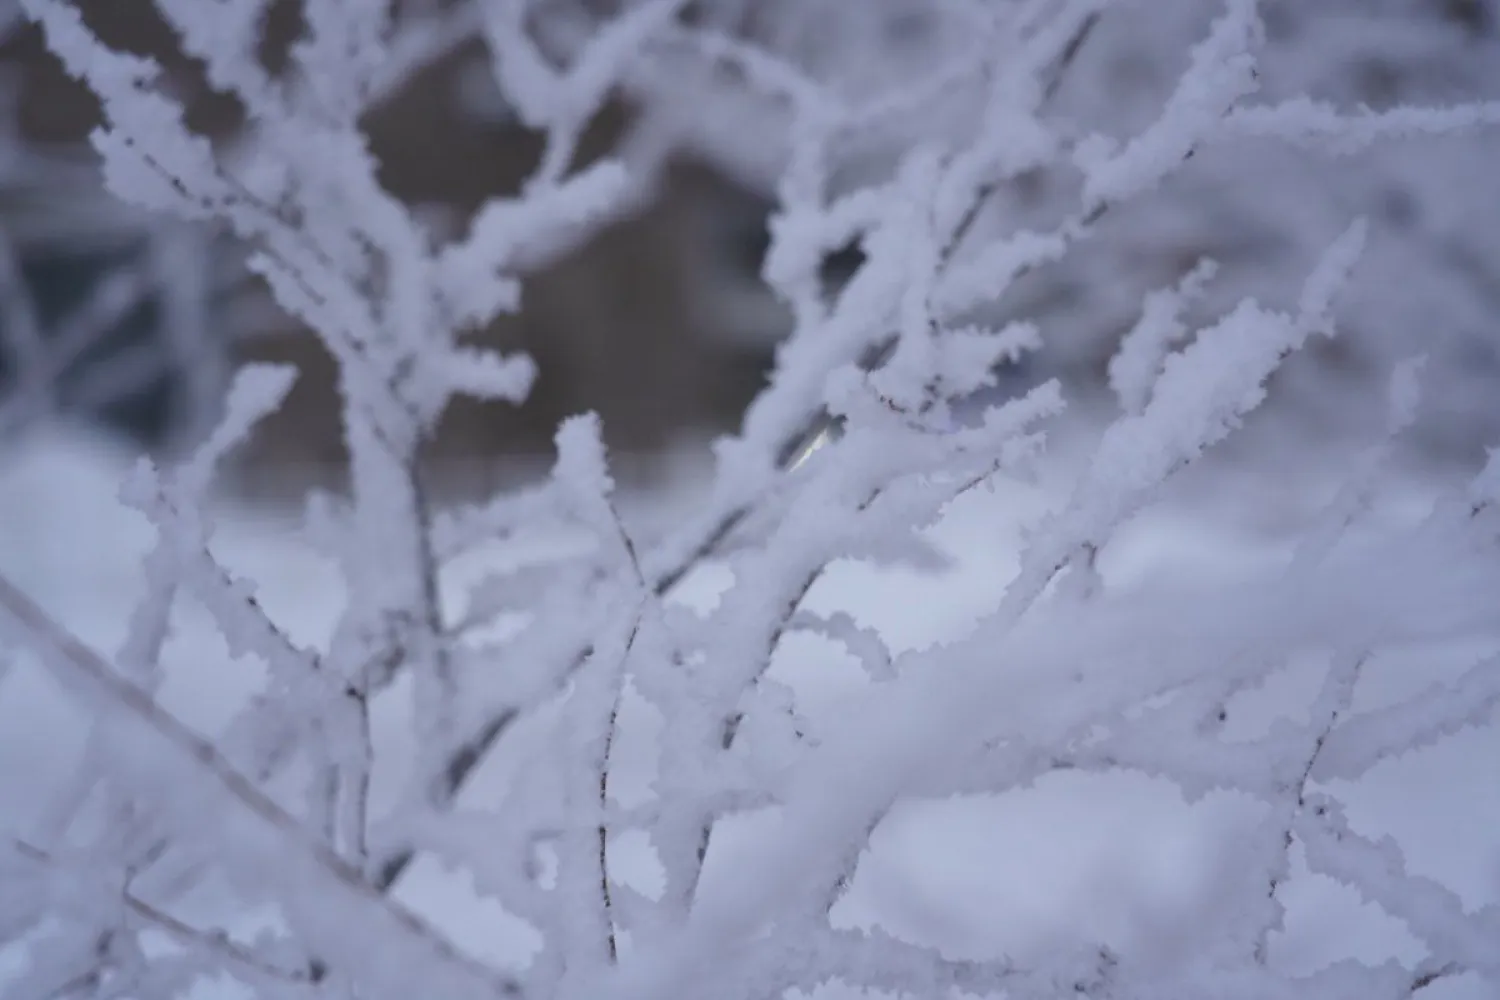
[(219, 783)]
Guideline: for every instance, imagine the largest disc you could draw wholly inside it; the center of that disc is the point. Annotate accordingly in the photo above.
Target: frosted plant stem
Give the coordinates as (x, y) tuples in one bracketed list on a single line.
[(235, 956), (606, 900), (604, 893), (78, 666), (1333, 703), (794, 451)]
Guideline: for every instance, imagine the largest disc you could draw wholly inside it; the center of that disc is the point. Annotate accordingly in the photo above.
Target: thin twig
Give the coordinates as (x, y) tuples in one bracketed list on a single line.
[(605, 896), (604, 893), (1343, 673), (212, 942), (627, 545)]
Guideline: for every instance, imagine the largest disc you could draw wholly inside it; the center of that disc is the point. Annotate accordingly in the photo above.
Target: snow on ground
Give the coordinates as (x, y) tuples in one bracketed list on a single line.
[(1123, 859)]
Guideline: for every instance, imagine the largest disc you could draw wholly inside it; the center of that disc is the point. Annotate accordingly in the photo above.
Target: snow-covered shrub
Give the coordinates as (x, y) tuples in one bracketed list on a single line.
[(261, 853)]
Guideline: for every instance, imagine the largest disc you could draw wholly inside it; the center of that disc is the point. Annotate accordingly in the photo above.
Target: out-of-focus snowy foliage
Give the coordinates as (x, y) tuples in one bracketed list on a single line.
[(107, 312), (1264, 209), (681, 813)]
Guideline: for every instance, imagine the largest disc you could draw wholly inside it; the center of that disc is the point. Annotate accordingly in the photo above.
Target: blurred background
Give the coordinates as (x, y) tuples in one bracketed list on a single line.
[(130, 325)]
